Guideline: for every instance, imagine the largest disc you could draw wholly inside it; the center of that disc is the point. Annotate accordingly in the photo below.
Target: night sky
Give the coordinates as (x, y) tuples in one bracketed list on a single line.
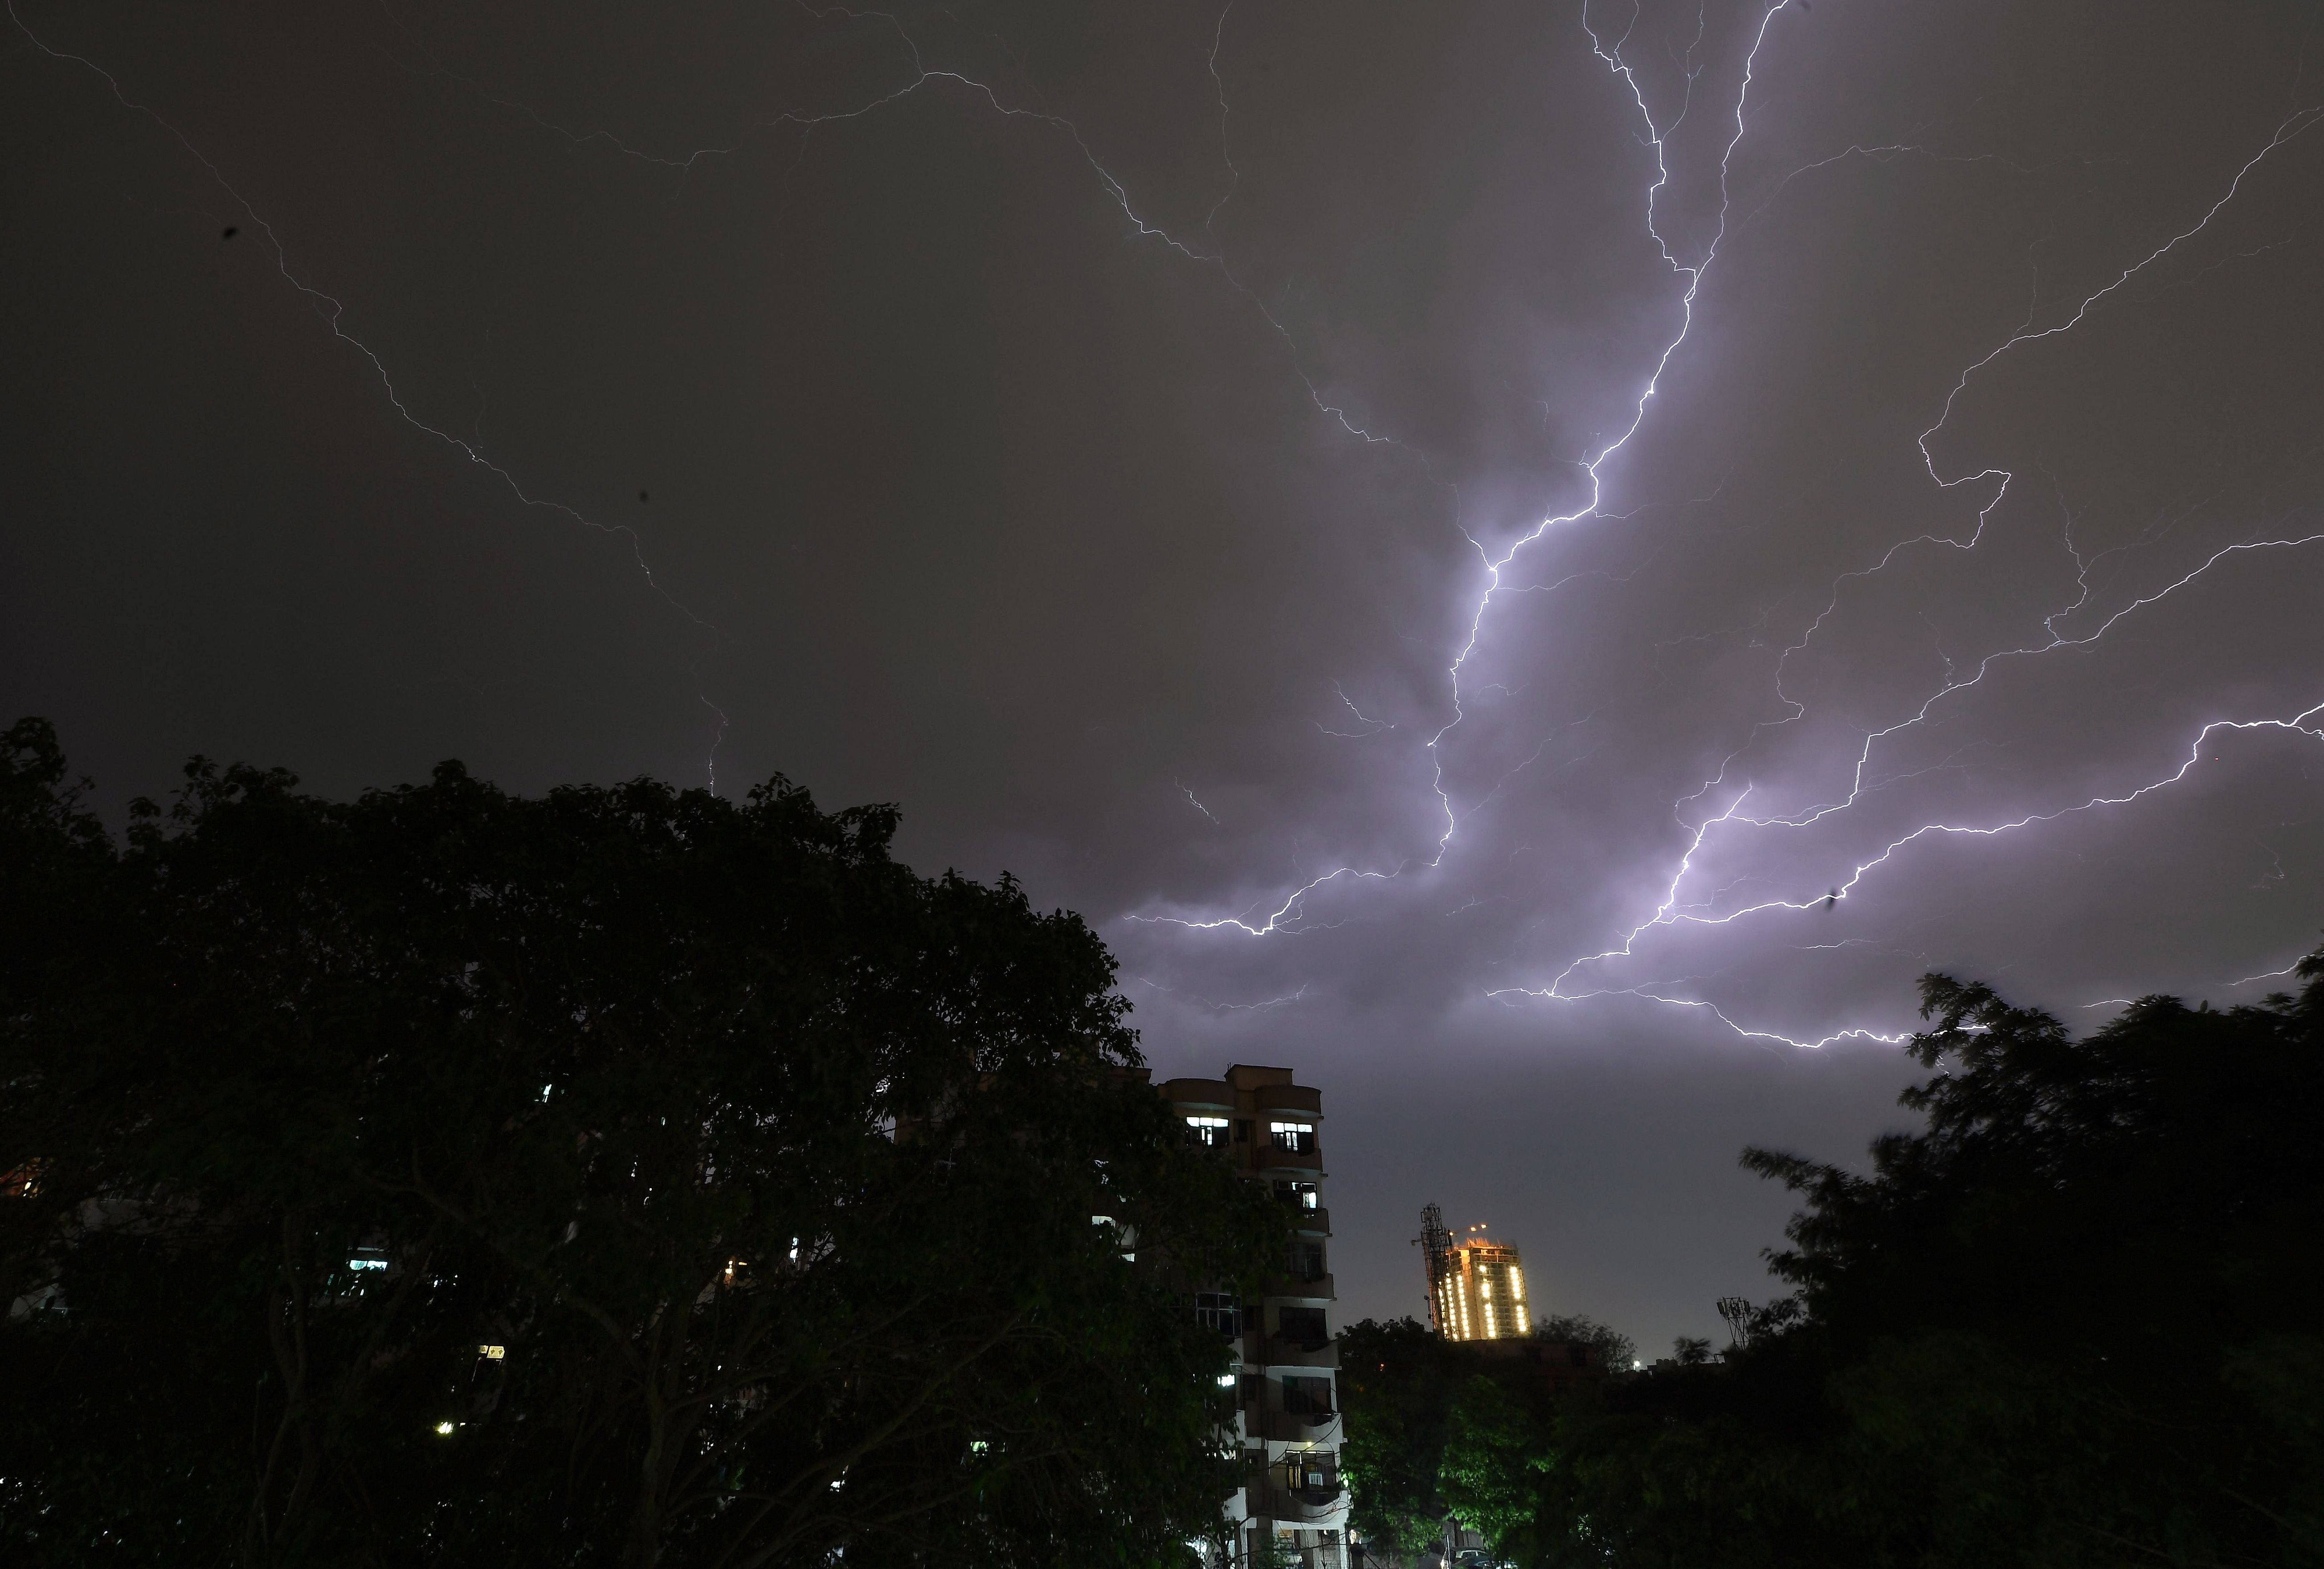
[(1196, 462)]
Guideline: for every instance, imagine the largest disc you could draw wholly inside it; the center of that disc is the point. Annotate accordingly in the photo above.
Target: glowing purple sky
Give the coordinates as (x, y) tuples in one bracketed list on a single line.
[(1203, 461)]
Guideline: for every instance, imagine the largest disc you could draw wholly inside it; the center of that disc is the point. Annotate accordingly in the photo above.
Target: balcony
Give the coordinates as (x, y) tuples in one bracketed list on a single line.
[(1318, 1289), (1278, 1352), (1268, 1158), (1312, 1222), (1305, 1506), (1294, 1426), (1297, 1098)]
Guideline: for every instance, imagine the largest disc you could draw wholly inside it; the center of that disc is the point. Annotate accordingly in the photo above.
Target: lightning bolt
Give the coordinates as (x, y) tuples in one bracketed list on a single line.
[(1670, 912), (333, 312), (1287, 914)]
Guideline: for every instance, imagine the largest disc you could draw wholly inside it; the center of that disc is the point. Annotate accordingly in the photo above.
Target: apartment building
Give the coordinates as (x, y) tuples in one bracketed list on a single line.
[(1288, 1408)]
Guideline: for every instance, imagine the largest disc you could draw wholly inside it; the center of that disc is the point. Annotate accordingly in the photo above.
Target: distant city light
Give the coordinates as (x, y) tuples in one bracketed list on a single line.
[(444, 1429)]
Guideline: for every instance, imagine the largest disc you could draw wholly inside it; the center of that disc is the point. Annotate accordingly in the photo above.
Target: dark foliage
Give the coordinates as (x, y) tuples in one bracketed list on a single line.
[(768, 1166), (2078, 1320), (1396, 1383)]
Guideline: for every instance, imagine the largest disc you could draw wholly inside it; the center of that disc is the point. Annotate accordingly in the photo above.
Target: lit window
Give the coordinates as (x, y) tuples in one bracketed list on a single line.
[(1208, 1131), (492, 1353), (1300, 1138), (443, 1429)]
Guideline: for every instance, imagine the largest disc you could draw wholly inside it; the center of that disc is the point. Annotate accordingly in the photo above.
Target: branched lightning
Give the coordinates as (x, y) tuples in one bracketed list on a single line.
[(1669, 913), (1286, 914), (1578, 980), (1673, 909)]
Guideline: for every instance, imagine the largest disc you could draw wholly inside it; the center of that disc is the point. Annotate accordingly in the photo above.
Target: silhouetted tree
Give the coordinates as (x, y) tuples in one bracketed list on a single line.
[(2077, 1320), (626, 1176), (1614, 1349)]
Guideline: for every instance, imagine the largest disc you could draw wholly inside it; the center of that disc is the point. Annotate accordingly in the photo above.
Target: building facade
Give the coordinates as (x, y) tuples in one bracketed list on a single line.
[(1287, 1406), (1476, 1286)]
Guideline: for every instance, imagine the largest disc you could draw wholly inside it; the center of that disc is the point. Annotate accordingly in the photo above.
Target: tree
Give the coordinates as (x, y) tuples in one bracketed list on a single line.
[(2080, 1319), (1397, 1385), (1493, 1457), (1614, 1350), (624, 1176), (2075, 1321)]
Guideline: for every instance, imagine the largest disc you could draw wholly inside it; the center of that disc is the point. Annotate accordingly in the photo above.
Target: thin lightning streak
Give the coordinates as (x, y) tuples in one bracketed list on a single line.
[(1885, 154), (333, 311), (2293, 126), (1269, 1006), (1226, 147), (1376, 725)]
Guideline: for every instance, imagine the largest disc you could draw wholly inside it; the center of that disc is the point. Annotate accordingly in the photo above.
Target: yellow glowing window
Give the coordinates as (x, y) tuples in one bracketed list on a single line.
[(1208, 1131), (492, 1353)]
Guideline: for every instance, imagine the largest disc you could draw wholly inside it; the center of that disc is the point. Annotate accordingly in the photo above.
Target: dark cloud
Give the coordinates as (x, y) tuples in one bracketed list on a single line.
[(1091, 429)]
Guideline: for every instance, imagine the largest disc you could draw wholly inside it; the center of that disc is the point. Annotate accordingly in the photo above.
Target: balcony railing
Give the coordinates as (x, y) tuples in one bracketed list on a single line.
[(1296, 1426), (1305, 1506), (1318, 1289), (1279, 1352)]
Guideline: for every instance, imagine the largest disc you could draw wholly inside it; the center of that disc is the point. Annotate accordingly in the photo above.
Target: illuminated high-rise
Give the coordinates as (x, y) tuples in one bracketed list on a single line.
[(1476, 1286)]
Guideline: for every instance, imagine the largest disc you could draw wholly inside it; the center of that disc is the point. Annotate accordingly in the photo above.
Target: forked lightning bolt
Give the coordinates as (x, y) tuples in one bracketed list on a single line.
[(1670, 912), (1287, 914)]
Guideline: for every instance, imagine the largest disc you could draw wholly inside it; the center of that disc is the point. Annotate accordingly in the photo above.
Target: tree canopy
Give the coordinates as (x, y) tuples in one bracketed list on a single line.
[(624, 1176), (2076, 1319)]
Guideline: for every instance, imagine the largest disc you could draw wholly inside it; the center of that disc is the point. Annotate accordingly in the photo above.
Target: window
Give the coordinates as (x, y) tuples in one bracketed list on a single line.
[(1217, 1310), (1299, 1196), (1303, 1327), (1308, 1397), (1306, 1261), (1311, 1469), (1300, 1138), (1208, 1131)]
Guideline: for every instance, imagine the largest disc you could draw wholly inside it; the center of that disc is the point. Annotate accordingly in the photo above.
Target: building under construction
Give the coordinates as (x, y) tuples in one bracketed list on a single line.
[(1475, 1286)]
